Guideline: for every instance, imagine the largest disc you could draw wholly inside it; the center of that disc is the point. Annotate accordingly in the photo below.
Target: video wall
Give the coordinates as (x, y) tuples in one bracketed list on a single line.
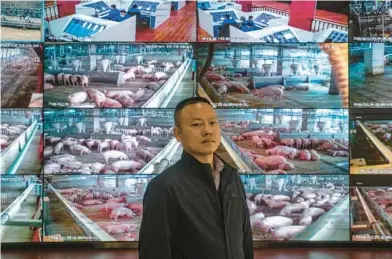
[(303, 101)]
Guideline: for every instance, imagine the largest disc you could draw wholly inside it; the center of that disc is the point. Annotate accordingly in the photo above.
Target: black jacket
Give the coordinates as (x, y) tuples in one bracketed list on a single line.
[(185, 217)]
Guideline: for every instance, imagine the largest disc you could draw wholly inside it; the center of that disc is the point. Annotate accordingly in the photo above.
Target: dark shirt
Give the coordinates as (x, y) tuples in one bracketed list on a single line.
[(118, 18), (134, 11), (113, 13), (229, 21), (185, 216)]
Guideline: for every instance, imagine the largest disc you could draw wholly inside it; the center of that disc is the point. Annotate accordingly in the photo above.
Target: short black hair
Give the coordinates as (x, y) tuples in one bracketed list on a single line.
[(227, 16), (184, 103), (134, 6), (113, 6), (250, 17)]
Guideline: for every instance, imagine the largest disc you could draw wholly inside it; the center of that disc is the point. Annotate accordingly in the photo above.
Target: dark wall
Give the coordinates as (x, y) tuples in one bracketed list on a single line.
[(332, 6)]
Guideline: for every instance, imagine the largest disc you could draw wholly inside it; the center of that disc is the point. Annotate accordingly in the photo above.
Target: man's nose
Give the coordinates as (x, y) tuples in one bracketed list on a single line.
[(207, 129)]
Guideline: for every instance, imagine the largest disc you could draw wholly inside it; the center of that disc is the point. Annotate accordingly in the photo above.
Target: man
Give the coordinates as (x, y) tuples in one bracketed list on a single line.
[(194, 67), (196, 209), (250, 23), (225, 29), (122, 17), (114, 12), (134, 10)]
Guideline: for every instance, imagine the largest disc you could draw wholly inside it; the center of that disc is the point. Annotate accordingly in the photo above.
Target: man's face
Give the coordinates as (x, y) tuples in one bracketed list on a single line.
[(122, 14), (199, 130)]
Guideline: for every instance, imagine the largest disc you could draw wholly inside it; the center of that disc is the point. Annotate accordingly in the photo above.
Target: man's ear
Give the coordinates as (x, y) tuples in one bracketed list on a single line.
[(177, 133)]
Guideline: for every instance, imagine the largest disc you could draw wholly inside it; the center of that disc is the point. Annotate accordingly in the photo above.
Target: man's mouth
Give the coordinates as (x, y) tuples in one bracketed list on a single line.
[(208, 141)]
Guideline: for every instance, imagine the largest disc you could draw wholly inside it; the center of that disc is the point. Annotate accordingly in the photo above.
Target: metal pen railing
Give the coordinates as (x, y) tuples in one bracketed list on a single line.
[(255, 169)]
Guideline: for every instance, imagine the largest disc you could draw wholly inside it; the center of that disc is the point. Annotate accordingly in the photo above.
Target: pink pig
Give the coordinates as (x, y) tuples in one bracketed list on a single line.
[(304, 155), (270, 92), (287, 142)]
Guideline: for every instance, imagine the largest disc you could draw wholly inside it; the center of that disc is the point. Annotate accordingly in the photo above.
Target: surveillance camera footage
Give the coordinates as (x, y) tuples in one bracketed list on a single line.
[(274, 75)]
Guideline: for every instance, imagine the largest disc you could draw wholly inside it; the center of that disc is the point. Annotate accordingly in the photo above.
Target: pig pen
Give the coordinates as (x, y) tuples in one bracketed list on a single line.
[(326, 165), (58, 221), (18, 83), (272, 208), (366, 152), (9, 133), (378, 202), (105, 81), (95, 157), (96, 201), (300, 95)]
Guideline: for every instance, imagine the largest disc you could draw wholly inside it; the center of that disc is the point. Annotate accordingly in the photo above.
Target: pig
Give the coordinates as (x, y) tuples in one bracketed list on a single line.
[(214, 77), (270, 223), (222, 89), (328, 146), (74, 80), (54, 139), (153, 86), (138, 95), (48, 151), (256, 218), (114, 143), (103, 145), (257, 141), (283, 151), (295, 207), (92, 202), (304, 155), (49, 77), (121, 212), (306, 220), (66, 79), (276, 204), (314, 156), (340, 153), (144, 139), (269, 92), (313, 212), (62, 158), (160, 75), (280, 198), (287, 232), (115, 229), (77, 98), (240, 87), (129, 75), (111, 103), (126, 166), (108, 207), (84, 81), (82, 149), (114, 154), (126, 101), (116, 94), (251, 207), (60, 78), (48, 86), (97, 97), (59, 146), (72, 165), (287, 142), (137, 208), (271, 162), (297, 143), (314, 142), (51, 168)]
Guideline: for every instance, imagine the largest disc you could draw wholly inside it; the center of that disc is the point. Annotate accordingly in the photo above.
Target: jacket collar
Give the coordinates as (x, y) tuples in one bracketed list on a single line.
[(204, 170)]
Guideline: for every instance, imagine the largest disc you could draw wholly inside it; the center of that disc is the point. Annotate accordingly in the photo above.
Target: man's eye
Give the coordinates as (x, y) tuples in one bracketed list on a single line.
[(196, 124)]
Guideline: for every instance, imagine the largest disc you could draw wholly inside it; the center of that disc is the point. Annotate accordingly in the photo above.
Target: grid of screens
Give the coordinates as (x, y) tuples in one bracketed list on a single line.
[(301, 90)]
